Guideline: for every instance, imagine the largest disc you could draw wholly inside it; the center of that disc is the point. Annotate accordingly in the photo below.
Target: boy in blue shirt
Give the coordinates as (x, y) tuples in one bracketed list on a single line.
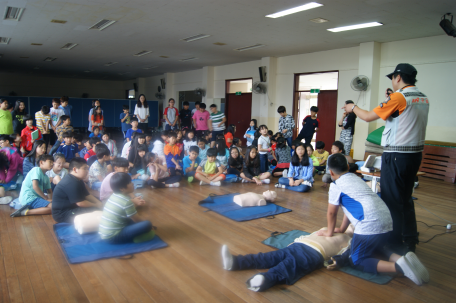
[(134, 128), (191, 162), (32, 197), (203, 147), (373, 225), (67, 149), (125, 119)]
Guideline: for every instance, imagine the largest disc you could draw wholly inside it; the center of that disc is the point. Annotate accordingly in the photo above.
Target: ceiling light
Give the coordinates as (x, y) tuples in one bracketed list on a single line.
[(58, 21), (188, 59), (241, 49), (69, 46), (319, 20), (13, 13), (356, 26), (219, 43), (50, 59), (142, 53), (36, 44), (149, 67), (196, 37), (164, 57), (295, 10), (110, 63), (4, 40), (102, 24)]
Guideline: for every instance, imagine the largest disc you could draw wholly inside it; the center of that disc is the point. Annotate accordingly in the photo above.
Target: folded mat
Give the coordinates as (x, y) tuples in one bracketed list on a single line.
[(376, 136), (279, 240), (225, 206), (89, 247)]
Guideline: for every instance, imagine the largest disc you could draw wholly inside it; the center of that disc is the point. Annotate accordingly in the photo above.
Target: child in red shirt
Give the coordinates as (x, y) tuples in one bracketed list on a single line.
[(97, 118), (26, 134), (229, 135)]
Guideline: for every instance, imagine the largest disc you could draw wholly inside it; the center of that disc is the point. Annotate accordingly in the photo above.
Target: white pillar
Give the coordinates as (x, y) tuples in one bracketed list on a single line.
[(268, 111)]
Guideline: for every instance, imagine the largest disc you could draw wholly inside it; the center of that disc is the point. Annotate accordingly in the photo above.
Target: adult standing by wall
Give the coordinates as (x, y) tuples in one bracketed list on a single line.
[(18, 116), (142, 112), (6, 121), (347, 125), (406, 114)]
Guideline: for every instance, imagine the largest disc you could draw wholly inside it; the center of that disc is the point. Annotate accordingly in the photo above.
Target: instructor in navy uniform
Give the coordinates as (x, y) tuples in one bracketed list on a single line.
[(406, 115)]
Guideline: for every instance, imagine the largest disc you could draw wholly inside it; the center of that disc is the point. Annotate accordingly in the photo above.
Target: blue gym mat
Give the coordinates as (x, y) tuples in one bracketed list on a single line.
[(225, 206), (282, 240), (89, 247)]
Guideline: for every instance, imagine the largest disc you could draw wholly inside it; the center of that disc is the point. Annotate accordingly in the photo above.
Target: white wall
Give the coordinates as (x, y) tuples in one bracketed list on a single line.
[(29, 85)]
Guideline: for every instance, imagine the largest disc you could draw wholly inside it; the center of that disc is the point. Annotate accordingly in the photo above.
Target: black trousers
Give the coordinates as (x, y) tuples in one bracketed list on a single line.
[(306, 137), (397, 181), (167, 180)]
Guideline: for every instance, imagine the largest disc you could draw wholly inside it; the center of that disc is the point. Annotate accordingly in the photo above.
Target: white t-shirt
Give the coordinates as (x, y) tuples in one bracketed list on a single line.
[(264, 142), (364, 208), (188, 144), (141, 113), (52, 174), (125, 150), (55, 115), (159, 148)]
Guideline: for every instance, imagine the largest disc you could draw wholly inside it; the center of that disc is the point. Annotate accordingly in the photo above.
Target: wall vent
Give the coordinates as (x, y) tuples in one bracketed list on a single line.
[(4, 40), (188, 59), (102, 24), (196, 37), (69, 46), (142, 53), (241, 49), (13, 13)]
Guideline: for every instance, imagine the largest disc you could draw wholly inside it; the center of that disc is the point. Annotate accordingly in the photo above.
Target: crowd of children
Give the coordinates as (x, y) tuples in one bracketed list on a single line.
[(56, 168)]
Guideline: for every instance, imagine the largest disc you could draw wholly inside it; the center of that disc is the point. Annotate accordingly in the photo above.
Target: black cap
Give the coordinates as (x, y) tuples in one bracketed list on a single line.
[(404, 68)]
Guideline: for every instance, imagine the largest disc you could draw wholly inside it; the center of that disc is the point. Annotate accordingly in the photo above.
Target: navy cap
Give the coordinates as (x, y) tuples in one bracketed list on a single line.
[(404, 68)]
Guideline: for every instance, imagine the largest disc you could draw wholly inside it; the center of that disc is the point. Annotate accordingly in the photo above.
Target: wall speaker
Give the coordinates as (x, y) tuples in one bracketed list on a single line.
[(262, 70), (447, 25), (163, 84), (135, 86)]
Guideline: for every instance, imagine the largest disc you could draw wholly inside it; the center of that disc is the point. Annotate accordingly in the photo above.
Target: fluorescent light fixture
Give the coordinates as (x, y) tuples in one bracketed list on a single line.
[(188, 59), (13, 13), (69, 46), (319, 20), (295, 10), (4, 40), (241, 49), (50, 59), (110, 63), (196, 37), (102, 24), (356, 26), (142, 53)]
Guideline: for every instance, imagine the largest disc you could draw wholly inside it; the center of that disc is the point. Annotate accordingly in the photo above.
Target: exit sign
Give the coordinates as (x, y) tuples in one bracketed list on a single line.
[(315, 91), (238, 93)]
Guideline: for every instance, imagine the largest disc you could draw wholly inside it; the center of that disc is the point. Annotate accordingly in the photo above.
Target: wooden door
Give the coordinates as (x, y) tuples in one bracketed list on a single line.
[(327, 112), (239, 112)]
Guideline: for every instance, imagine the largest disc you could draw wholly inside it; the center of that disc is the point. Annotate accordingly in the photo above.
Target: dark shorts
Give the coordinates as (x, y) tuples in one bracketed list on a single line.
[(215, 133)]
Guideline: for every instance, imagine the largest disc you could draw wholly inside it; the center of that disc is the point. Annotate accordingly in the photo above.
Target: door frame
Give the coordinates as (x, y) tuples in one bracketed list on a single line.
[(227, 88), (296, 92)]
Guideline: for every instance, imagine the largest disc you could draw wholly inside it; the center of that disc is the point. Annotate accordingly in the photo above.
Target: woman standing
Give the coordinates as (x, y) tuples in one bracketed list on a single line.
[(142, 112), (18, 116), (95, 103), (347, 124)]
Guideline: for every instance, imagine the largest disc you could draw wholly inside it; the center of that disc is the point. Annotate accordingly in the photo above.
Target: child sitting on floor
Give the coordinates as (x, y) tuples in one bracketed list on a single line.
[(38, 149), (120, 222), (105, 139), (172, 155), (32, 198), (57, 172), (139, 164), (238, 144), (191, 162), (26, 134), (300, 173), (67, 149), (94, 141), (210, 170), (322, 156), (310, 151), (373, 225), (235, 162), (337, 148), (189, 141), (158, 172), (251, 169), (283, 156), (223, 154), (99, 170), (96, 132), (203, 147), (159, 143), (10, 168)]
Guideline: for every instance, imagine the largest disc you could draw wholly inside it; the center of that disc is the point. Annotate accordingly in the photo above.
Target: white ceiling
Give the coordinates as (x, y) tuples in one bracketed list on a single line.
[(158, 25), (322, 81)]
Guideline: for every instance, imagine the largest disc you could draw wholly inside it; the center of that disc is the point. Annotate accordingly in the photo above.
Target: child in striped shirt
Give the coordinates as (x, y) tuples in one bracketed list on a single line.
[(120, 222)]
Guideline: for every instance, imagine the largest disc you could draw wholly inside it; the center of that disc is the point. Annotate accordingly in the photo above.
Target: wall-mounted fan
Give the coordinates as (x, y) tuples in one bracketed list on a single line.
[(259, 88), (200, 92), (360, 83)]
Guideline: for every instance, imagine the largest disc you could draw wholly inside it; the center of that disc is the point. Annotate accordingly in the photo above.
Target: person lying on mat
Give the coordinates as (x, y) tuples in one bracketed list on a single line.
[(120, 222), (288, 265), (373, 225), (71, 197)]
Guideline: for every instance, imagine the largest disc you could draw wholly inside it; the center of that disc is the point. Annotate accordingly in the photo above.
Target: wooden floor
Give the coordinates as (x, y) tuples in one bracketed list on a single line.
[(33, 268)]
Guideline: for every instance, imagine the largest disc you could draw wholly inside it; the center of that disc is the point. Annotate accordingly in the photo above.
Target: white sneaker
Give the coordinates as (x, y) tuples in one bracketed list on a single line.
[(216, 183), (177, 184), (409, 271), (256, 282), (285, 173), (266, 181), (245, 181), (227, 258), (6, 200), (414, 262), (203, 183)]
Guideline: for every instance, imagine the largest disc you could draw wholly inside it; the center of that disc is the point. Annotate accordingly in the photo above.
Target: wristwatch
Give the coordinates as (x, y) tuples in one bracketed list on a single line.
[(353, 107)]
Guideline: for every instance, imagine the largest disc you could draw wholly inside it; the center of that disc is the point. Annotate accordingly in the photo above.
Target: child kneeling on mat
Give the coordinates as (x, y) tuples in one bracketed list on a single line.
[(210, 171), (373, 225), (120, 222)]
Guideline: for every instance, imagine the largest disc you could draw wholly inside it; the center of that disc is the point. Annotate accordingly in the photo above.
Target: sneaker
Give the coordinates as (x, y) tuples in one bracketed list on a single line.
[(6, 200), (409, 271), (417, 183), (285, 173), (321, 172), (203, 183), (190, 179), (216, 183), (174, 185), (414, 262), (266, 181), (227, 258), (256, 282), (277, 185), (21, 211), (245, 181)]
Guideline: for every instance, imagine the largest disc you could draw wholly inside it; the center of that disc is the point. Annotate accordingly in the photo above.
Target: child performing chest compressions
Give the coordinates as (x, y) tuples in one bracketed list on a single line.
[(373, 226)]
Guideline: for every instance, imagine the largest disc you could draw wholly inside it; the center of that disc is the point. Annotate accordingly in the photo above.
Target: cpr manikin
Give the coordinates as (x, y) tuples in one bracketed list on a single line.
[(254, 199), (87, 223)]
